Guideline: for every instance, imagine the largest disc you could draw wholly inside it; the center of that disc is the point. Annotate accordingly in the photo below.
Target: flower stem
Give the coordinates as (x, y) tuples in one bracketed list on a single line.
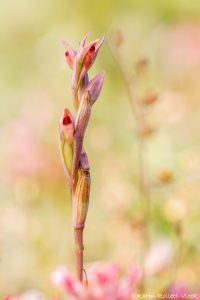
[(142, 167), (75, 98), (78, 236)]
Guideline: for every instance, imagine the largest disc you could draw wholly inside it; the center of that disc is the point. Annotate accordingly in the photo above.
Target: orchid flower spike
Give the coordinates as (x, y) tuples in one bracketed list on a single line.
[(72, 132)]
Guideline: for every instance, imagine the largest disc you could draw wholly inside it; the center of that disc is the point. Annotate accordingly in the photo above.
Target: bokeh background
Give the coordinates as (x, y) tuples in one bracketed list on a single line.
[(35, 219)]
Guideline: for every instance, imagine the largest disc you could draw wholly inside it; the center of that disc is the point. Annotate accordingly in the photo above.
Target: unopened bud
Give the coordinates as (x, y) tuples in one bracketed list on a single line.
[(94, 87), (81, 200)]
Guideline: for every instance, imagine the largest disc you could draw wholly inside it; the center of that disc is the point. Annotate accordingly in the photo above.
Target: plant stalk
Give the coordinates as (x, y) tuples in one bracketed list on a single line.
[(144, 196), (75, 98), (78, 236)]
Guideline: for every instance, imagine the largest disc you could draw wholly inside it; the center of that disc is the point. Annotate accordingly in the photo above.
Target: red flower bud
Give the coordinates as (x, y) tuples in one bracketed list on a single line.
[(67, 126)]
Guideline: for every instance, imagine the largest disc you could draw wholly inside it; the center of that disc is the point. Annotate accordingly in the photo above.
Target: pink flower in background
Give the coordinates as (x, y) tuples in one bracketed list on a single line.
[(65, 282), (26, 153), (13, 298), (180, 290), (104, 283), (181, 50), (155, 263)]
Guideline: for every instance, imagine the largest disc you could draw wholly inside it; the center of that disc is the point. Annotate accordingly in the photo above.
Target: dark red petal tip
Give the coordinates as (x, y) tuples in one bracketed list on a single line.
[(92, 49), (66, 120)]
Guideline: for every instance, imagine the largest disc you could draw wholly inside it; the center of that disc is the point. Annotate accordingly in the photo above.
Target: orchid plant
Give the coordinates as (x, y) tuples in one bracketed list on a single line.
[(72, 131)]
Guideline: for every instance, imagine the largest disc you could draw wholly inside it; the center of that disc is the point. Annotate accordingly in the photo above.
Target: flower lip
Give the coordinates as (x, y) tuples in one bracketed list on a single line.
[(89, 56), (67, 119), (83, 51), (67, 53), (92, 49)]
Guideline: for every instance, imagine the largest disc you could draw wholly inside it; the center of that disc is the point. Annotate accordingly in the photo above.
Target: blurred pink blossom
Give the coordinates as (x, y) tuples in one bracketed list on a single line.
[(181, 51), (179, 290), (26, 152), (28, 295), (12, 298), (160, 256), (65, 282), (104, 283)]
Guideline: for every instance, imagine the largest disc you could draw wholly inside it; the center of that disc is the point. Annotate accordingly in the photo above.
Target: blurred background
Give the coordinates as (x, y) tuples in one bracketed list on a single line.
[(159, 170)]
